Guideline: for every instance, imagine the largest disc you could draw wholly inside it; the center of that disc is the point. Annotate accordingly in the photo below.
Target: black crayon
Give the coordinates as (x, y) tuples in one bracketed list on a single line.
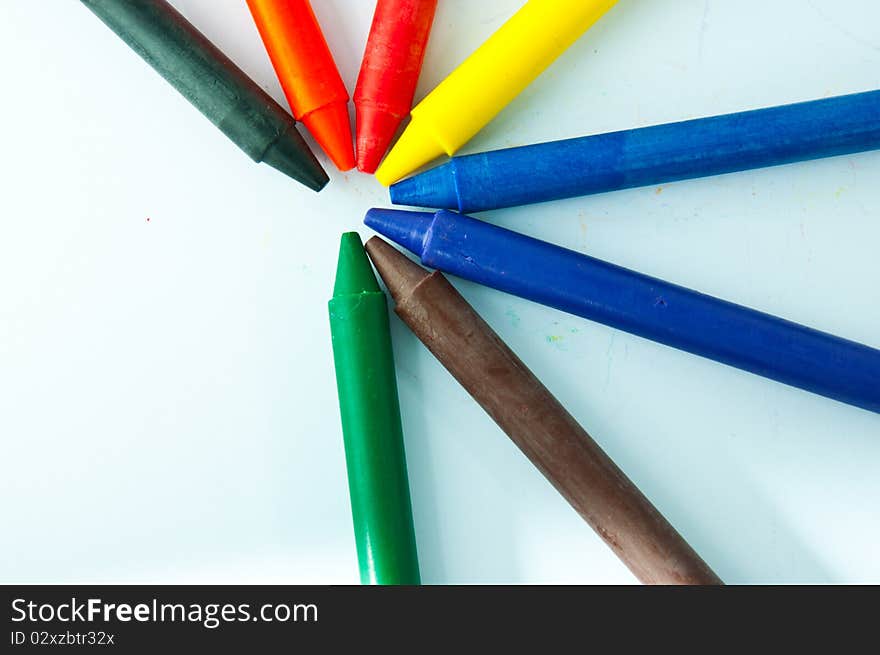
[(213, 84)]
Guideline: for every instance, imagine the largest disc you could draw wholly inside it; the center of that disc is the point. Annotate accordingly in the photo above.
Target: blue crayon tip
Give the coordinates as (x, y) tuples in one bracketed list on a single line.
[(433, 188), (405, 228)]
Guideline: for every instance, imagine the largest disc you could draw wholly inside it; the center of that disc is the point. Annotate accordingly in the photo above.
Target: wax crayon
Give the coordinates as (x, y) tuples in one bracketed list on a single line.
[(648, 155), (371, 428), (647, 307), (307, 72), (537, 423), (389, 73), (213, 84), (486, 82)]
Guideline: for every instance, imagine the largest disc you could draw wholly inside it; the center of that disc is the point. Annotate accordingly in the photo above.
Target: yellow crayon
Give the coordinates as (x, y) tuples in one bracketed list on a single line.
[(475, 92)]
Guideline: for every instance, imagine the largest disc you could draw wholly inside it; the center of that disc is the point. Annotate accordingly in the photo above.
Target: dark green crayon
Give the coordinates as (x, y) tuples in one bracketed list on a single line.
[(209, 80), (371, 428)]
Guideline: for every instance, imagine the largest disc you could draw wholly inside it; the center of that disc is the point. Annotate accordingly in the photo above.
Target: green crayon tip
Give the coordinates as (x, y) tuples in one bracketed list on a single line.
[(354, 274)]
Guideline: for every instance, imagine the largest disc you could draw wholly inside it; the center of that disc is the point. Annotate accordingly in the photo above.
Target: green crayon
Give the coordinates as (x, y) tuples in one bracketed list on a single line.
[(209, 80), (371, 428)]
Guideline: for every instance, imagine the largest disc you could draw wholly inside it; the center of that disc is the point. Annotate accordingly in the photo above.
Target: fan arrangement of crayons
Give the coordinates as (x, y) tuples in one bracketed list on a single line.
[(451, 242)]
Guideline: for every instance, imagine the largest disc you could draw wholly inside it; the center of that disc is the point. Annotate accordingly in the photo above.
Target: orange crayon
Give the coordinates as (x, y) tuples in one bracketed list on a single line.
[(308, 74)]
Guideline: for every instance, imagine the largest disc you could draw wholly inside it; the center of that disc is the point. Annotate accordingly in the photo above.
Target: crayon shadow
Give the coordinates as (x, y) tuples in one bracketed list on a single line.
[(724, 510), (461, 537), (345, 38)]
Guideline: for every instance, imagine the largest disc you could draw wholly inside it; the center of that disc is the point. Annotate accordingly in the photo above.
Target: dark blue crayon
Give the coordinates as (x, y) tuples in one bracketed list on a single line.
[(669, 314), (648, 156)]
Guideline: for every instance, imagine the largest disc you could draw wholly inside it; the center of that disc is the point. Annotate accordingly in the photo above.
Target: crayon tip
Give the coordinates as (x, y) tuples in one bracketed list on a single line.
[(413, 149), (290, 155), (406, 228), (400, 274), (433, 188), (331, 128), (353, 272), (375, 131)]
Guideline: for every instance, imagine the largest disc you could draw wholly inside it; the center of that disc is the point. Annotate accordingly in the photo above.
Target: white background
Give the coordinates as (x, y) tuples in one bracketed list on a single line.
[(167, 401)]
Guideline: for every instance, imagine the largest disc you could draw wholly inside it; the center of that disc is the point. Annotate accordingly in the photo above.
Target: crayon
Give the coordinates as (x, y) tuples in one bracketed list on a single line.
[(374, 453), (537, 423), (487, 81), (648, 156), (389, 73), (213, 84), (307, 72), (647, 307)]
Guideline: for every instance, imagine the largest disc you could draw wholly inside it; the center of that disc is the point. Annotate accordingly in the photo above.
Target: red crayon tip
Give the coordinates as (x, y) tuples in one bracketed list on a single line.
[(389, 74), (330, 127), (375, 131)]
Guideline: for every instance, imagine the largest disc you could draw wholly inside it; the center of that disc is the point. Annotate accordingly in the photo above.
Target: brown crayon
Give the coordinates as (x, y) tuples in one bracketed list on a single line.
[(537, 423)]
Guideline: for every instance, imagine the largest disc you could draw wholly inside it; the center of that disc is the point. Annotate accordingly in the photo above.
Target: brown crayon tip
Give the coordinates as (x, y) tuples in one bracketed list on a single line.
[(400, 274)]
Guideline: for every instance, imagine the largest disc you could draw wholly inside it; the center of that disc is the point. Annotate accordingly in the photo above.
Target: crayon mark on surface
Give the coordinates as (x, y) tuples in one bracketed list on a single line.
[(704, 27), (556, 340), (855, 38), (582, 222), (608, 359)]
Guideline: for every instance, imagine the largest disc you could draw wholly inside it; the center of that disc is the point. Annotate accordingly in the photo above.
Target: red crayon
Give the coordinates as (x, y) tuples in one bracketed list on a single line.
[(389, 74), (307, 72)]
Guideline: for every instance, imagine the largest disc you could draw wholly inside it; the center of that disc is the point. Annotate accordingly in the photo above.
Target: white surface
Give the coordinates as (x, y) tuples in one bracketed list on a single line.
[(167, 401)]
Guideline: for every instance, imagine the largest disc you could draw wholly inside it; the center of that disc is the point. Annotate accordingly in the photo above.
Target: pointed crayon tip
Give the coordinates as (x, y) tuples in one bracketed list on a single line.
[(375, 131), (290, 155), (413, 149), (406, 228), (400, 274), (331, 128), (433, 188), (354, 275)]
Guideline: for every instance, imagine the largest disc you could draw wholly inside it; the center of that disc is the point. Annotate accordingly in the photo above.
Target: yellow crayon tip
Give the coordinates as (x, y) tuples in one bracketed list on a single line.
[(414, 149)]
